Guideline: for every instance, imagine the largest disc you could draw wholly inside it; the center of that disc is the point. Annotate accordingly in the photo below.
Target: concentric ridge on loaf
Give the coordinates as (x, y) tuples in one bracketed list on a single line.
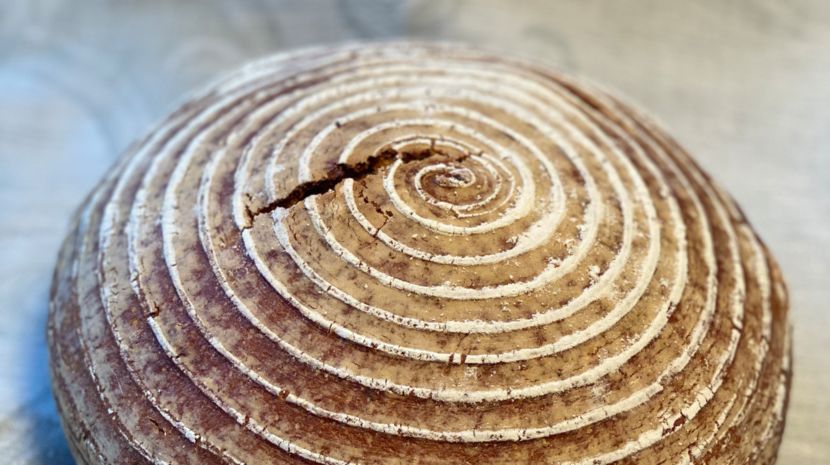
[(414, 253)]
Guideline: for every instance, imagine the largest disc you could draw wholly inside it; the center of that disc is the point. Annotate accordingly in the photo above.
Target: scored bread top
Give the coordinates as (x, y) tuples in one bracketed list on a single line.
[(414, 253)]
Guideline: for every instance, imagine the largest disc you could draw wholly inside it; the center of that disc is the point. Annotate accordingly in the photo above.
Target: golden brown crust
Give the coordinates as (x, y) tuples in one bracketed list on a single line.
[(411, 253)]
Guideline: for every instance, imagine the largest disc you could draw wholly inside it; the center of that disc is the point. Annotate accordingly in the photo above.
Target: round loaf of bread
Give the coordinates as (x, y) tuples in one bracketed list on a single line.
[(414, 253)]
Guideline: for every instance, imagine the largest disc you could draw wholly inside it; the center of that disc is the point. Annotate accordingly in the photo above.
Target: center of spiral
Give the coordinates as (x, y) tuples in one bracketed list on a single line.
[(455, 177)]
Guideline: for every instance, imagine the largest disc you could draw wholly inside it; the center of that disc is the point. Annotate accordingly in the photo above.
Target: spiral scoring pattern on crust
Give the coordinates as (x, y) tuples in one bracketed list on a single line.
[(377, 254)]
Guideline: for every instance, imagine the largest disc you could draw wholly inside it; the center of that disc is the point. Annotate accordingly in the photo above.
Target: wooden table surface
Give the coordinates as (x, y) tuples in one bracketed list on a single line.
[(745, 85)]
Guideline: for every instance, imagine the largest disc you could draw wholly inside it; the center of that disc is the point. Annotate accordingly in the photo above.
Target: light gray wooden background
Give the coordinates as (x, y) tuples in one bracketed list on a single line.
[(745, 85)]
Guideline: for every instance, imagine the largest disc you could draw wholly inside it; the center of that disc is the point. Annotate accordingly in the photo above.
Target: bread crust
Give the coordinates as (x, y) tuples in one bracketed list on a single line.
[(415, 253)]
